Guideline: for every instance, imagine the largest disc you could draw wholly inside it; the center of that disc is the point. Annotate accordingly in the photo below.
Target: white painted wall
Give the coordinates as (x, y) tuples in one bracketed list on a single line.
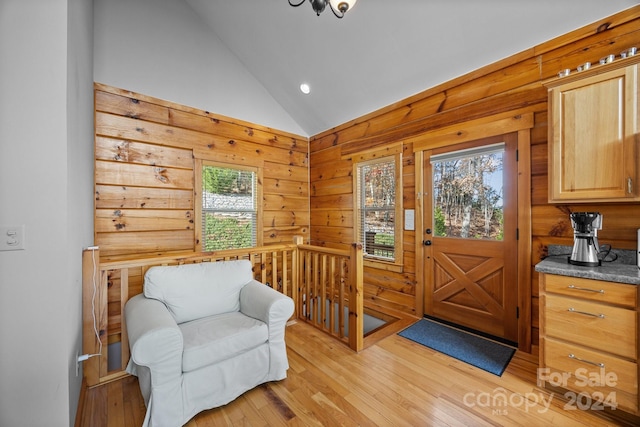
[(80, 159), (46, 148), (162, 48)]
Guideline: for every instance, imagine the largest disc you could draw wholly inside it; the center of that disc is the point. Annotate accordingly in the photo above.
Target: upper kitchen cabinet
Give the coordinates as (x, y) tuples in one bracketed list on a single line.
[(593, 134)]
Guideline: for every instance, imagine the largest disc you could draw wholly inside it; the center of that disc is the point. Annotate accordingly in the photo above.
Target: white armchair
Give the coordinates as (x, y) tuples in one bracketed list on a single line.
[(201, 335)]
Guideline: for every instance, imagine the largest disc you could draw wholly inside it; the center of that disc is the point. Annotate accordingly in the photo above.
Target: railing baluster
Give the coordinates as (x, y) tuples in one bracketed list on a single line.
[(274, 271), (330, 267), (344, 297), (124, 338), (307, 273)]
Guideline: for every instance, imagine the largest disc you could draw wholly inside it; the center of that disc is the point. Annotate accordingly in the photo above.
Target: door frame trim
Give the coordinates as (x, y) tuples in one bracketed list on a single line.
[(499, 124)]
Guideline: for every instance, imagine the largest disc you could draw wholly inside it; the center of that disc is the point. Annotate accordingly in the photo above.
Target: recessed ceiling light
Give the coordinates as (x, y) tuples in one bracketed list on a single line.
[(304, 88)]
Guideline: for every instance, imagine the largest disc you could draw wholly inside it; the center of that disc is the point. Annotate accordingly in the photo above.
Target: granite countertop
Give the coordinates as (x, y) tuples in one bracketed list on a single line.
[(622, 270)]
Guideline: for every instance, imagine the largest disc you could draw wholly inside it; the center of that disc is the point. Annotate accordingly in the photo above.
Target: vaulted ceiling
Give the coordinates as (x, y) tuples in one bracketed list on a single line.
[(382, 51)]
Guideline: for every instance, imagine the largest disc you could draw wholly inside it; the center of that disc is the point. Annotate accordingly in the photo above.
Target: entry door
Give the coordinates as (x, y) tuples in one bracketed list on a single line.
[(470, 235)]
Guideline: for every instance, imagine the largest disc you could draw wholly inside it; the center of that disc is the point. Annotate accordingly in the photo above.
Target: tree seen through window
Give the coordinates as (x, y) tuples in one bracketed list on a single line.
[(467, 196), (377, 196)]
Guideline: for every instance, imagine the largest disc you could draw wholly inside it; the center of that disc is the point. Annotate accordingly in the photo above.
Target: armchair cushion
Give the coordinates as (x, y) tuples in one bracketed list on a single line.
[(216, 338), (194, 291)]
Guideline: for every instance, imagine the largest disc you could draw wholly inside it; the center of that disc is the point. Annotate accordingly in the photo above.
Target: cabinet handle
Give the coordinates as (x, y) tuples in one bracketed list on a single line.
[(600, 365), (573, 310), (629, 185), (577, 288)]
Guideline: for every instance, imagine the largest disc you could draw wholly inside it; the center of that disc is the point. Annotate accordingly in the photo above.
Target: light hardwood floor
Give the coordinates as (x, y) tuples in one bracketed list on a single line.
[(393, 382)]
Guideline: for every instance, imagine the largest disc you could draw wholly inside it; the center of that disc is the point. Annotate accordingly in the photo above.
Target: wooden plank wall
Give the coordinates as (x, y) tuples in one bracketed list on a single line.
[(146, 150), (145, 155), (514, 83)]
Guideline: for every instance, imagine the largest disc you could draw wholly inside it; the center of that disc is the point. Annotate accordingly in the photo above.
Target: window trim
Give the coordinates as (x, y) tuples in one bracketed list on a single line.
[(197, 189), (372, 158)]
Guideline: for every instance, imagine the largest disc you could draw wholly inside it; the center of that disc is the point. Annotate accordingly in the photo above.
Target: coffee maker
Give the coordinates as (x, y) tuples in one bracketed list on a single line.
[(585, 238)]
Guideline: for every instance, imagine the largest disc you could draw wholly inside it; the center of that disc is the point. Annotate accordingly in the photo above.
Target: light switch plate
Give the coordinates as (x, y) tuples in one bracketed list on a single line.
[(12, 237)]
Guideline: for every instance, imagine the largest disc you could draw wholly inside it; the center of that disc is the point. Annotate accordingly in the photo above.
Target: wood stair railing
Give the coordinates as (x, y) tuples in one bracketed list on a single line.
[(303, 272)]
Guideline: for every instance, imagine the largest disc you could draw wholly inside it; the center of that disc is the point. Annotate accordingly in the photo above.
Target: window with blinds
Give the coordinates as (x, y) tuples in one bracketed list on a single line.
[(229, 208), (376, 195)]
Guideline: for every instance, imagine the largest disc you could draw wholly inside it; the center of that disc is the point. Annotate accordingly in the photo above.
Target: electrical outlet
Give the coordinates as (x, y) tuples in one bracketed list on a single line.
[(12, 237)]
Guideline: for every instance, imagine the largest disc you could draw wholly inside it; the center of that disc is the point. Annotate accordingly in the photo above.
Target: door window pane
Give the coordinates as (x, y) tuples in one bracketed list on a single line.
[(467, 194)]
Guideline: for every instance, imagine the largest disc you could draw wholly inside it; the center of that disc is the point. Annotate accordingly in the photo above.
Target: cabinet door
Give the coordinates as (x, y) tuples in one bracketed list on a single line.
[(592, 153)]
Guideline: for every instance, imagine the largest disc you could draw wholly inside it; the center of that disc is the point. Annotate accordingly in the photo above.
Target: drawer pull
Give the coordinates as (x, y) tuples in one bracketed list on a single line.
[(599, 316), (577, 288), (600, 365)]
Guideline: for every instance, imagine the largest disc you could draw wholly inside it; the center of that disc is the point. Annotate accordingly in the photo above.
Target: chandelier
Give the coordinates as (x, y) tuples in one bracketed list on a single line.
[(338, 7)]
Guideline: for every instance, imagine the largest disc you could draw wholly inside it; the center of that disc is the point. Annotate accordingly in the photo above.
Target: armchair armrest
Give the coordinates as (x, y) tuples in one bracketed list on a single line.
[(153, 333), (156, 347), (264, 303)]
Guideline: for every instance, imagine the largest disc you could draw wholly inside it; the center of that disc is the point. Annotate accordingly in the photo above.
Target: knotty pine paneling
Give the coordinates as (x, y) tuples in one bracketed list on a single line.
[(332, 224), (285, 218), (323, 212), (539, 159), (127, 105), (286, 171), (619, 222), (121, 197), (145, 152), (275, 186), (116, 173), (540, 130), (336, 201), (233, 130), (514, 83), (278, 202), (332, 170), (330, 156), (115, 220), (234, 150), (343, 236), (332, 218), (328, 187), (377, 296), (119, 150), (146, 242)]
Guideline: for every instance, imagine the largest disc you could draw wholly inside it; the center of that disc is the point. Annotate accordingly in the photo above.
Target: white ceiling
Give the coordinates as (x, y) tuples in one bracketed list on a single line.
[(382, 51)]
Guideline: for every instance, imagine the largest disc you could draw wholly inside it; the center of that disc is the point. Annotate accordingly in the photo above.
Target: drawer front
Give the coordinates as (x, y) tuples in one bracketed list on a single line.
[(602, 327), (594, 290), (571, 367)]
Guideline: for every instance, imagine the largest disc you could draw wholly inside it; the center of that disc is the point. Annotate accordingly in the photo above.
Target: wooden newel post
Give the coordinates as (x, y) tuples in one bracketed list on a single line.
[(296, 270), (356, 305), (91, 288)]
